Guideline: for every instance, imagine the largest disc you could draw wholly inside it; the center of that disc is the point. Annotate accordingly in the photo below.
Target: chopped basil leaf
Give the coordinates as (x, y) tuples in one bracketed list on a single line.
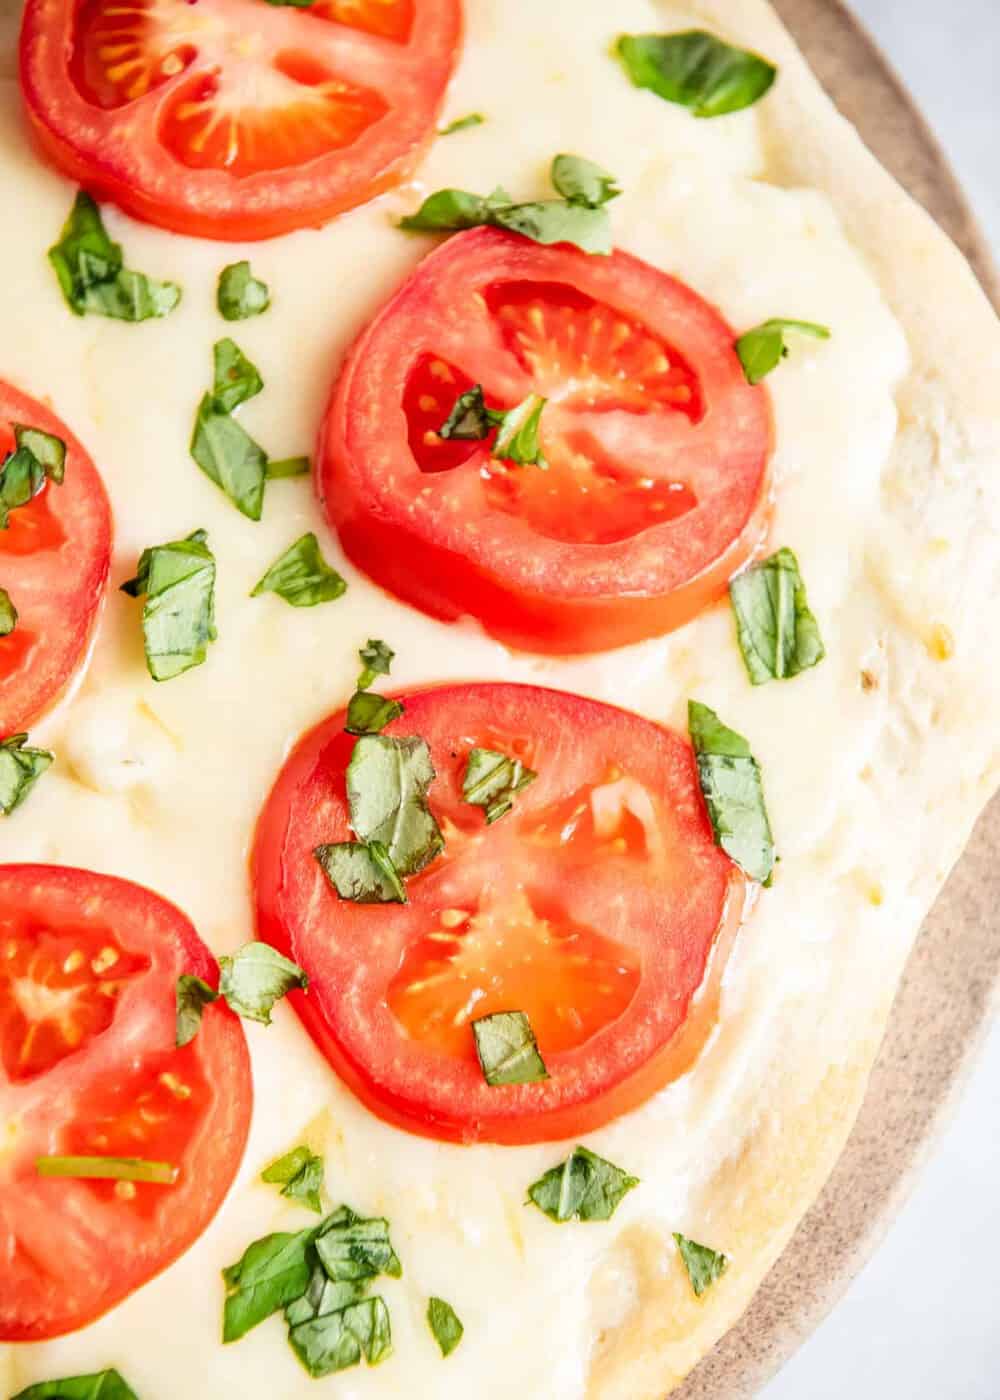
[(444, 1322), (351, 1247), (696, 70), (492, 780), (324, 1296), (178, 616), (584, 1187), (387, 783), (257, 976), (369, 713), (100, 1385), (507, 1049), (517, 440), (23, 472), (337, 1340), (240, 294), (704, 1266), (734, 794), (273, 1272), (236, 379), (470, 420), (300, 1175), (108, 1169), (224, 450), (288, 466), (361, 873), (778, 634), (448, 211), (763, 348), (48, 450), (92, 276), (8, 614), (192, 995), (582, 182), (461, 124), (302, 576), (376, 658), (556, 221), (20, 769)]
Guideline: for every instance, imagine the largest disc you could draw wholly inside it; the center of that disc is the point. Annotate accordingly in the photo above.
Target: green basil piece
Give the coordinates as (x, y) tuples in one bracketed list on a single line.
[(23, 472), (550, 221), (376, 659), (324, 1296), (272, 1273), (762, 349), (507, 1049), (8, 614), (445, 1325), (302, 576), (582, 182), (256, 977), (287, 466), (387, 784), (518, 439), (369, 712), (449, 211), (20, 769), (704, 1266), (362, 873), (99, 1385), (48, 450), (696, 70), (585, 1187), (90, 270), (300, 1175), (470, 420), (734, 794), (492, 781), (778, 634), (192, 995), (240, 295), (335, 1341), (352, 1247), (178, 616), (235, 379), (462, 124), (108, 1169), (222, 448)]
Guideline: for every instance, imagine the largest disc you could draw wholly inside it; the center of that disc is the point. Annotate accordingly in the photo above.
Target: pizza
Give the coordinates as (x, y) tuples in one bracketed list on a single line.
[(498, 580)]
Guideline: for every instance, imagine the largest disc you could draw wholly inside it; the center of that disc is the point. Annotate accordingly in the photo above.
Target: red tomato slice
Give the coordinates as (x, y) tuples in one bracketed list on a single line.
[(593, 907), (655, 492), (54, 561), (88, 1067), (235, 118)]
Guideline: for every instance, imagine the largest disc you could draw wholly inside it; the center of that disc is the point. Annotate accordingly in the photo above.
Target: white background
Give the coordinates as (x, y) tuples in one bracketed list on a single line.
[(922, 1322)]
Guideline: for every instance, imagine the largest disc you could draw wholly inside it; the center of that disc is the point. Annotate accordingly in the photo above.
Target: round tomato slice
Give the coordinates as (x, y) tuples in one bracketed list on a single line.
[(54, 561), (237, 119), (593, 907), (654, 492), (89, 1068)]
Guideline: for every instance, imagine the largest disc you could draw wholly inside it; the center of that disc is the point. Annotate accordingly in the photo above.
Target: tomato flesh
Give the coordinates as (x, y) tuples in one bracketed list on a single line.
[(594, 906)]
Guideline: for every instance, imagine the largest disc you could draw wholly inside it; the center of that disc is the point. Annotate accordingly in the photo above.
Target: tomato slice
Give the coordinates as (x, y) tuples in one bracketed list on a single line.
[(54, 561), (234, 118), (655, 492), (88, 1067), (593, 906)]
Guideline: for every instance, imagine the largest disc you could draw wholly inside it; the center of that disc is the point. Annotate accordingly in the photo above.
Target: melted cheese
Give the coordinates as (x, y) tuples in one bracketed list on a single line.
[(162, 784)]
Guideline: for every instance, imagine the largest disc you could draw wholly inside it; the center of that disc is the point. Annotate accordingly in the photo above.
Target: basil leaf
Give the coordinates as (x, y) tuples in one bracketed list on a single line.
[(492, 780), (23, 472), (48, 450), (517, 440), (240, 295), (8, 614), (733, 791), (178, 617), (696, 70), (555, 221), (704, 1266), (448, 211), (224, 450), (361, 873), (763, 348), (324, 1296), (20, 769), (387, 783), (236, 379), (444, 1323), (351, 1247), (582, 182), (100, 1385), (257, 976), (300, 1175), (287, 466), (338, 1340), (462, 124), (778, 635), (108, 1169), (302, 576), (507, 1049), (192, 995), (273, 1272), (90, 270), (469, 420), (584, 1187), (369, 713), (376, 658)]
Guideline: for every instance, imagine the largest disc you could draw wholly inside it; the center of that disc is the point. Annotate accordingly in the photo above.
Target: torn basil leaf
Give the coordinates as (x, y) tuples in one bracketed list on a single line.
[(778, 634), (696, 70), (20, 769), (273, 1272), (507, 1049), (222, 448), (445, 1325), (492, 781), (178, 616), (287, 466), (584, 1187), (362, 873), (256, 977), (704, 1266), (376, 658), (335, 1341), (550, 221), (352, 1247), (99, 1385), (240, 295), (235, 379), (470, 420), (734, 794), (582, 182), (300, 1175), (23, 473), (324, 1296), (302, 576), (518, 439), (387, 784), (192, 995), (762, 349), (8, 614), (369, 712), (462, 124), (48, 450), (90, 270)]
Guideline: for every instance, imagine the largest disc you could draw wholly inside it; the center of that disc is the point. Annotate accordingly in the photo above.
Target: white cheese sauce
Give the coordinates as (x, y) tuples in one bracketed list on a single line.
[(162, 784)]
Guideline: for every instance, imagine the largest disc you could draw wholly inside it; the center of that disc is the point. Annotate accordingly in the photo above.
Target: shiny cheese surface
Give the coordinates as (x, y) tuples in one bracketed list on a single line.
[(162, 784)]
